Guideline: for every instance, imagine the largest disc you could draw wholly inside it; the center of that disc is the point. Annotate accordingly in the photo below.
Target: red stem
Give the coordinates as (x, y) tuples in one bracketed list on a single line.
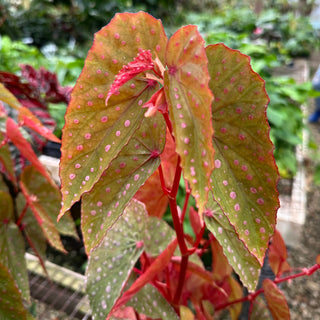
[(178, 226), (185, 206), (182, 275), (252, 296), (165, 190), (22, 214)]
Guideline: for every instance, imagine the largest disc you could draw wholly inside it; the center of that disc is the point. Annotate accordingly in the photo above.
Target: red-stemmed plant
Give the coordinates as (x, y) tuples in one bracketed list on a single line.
[(147, 112)]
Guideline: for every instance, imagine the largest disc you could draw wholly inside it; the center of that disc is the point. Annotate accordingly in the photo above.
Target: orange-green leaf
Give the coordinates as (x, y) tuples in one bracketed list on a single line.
[(276, 301), (189, 99), (245, 176), (243, 262), (103, 205), (12, 246), (11, 306), (318, 259), (7, 97), (14, 134), (186, 313), (94, 133)]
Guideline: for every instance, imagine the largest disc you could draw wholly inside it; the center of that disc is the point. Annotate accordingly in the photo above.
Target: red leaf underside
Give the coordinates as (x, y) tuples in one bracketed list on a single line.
[(14, 134), (245, 175), (94, 133), (189, 99)]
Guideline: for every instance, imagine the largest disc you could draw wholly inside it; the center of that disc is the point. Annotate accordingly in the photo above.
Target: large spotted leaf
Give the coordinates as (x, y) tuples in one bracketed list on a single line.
[(243, 262), (11, 306), (94, 133), (245, 176), (12, 247), (189, 99), (44, 199), (103, 205), (111, 262)]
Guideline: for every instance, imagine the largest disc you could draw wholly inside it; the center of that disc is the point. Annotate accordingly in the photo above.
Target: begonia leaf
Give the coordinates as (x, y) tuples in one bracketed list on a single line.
[(245, 177), (28, 119), (32, 230), (153, 270), (7, 97), (151, 303), (276, 301), (111, 263), (189, 99), (158, 236), (151, 193), (95, 133), (7, 161), (277, 255), (259, 310), (243, 262), (11, 306), (43, 198), (152, 196), (103, 205), (12, 245), (14, 134)]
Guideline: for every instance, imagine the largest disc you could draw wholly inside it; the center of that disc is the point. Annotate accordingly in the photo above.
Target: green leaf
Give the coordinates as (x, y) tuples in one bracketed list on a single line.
[(159, 235), (7, 161), (243, 262), (276, 301), (189, 99), (94, 133), (151, 303), (245, 176), (111, 263), (102, 206), (12, 246), (11, 306)]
